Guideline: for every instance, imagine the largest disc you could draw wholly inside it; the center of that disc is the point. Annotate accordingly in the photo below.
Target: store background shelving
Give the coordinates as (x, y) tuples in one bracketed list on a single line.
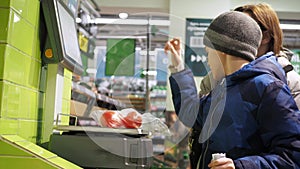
[(127, 90)]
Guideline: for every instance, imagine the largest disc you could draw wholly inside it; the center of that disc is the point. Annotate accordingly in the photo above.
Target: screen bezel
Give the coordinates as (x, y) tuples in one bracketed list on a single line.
[(55, 34)]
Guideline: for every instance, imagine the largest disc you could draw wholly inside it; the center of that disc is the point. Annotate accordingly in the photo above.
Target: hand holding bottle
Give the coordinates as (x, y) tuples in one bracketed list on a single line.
[(222, 163), (174, 47)]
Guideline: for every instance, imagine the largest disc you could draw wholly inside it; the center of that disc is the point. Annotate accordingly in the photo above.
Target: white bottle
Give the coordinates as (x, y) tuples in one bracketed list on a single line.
[(216, 156)]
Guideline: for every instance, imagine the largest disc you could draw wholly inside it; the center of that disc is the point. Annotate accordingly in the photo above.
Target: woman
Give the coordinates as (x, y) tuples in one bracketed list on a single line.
[(250, 115), (267, 18), (272, 39)]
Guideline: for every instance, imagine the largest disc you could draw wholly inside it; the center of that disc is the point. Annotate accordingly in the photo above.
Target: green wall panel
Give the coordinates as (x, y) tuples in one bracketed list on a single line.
[(2, 55), (12, 138), (28, 130), (11, 100), (5, 3), (30, 99), (20, 33), (1, 86), (28, 104), (8, 126), (10, 150), (64, 163), (23, 163), (4, 18), (33, 77), (36, 150), (28, 9), (36, 47), (19, 102), (16, 152), (18, 67)]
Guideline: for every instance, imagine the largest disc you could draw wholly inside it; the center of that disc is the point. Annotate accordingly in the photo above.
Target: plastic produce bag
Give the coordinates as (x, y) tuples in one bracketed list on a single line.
[(130, 118), (126, 118), (154, 125)]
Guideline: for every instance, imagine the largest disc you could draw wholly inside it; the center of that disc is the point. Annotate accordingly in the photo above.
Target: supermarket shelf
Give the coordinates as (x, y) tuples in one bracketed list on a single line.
[(131, 101), (81, 93)]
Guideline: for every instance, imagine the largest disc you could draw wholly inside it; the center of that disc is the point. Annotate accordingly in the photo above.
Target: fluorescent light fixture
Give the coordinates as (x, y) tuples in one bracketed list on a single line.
[(121, 21), (123, 15), (131, 21), (290, 26), (91, 70), (120, 37), (144, 52), (159, 22), (150, 72)]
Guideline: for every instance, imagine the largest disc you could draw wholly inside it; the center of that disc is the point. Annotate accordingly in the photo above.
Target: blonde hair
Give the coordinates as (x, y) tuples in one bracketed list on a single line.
[(268, 21)]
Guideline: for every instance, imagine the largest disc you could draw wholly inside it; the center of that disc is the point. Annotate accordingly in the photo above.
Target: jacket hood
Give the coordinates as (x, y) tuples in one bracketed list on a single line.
[(286, 53), (266, 64), (284, 59)]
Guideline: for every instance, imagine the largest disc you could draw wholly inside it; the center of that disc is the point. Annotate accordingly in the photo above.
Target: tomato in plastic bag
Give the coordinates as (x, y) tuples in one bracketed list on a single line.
[(111, 119), (132, 120)]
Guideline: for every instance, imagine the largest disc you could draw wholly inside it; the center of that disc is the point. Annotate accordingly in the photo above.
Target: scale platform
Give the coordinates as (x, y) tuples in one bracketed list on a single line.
[(97, 147)]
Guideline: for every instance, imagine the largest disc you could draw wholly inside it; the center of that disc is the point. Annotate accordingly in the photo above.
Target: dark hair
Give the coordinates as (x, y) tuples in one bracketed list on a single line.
[(268, 21)]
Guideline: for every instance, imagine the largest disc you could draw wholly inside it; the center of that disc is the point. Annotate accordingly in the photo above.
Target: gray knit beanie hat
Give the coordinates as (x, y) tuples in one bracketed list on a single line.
[(234, 33)]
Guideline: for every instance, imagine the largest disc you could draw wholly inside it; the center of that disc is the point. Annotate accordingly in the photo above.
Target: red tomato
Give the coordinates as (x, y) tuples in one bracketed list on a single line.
[(132, 120), (111, 119)]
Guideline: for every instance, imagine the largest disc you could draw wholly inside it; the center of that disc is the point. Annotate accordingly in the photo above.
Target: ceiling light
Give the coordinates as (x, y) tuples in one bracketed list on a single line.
[(131, 21), (91, 70), (159, 22), (121, 21), (144, 53), (290, 26), (120, 37), (150, 72), (123, 15)]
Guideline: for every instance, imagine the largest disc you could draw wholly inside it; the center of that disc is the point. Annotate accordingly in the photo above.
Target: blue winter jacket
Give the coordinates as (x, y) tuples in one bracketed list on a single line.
[(251, 116)]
